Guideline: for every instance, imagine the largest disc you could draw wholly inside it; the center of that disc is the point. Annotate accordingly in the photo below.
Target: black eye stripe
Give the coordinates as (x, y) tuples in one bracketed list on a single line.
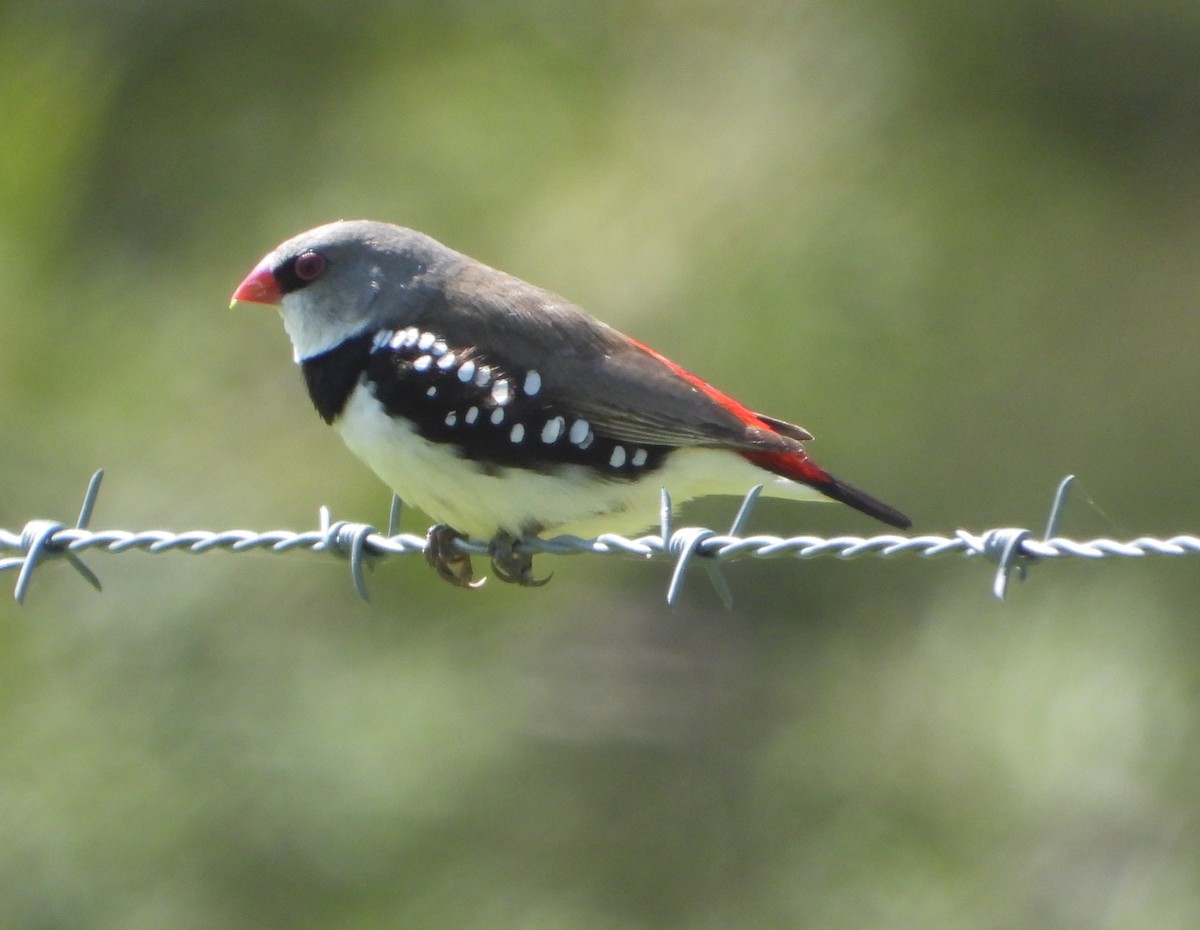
[(298, 272), (493, 414)]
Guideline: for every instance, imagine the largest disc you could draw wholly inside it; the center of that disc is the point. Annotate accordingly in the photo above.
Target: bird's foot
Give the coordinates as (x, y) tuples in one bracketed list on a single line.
[(512, 566), (450, 564)]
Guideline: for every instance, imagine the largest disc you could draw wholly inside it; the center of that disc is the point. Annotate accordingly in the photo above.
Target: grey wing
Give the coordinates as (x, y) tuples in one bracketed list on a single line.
[(623, 389), (639, 397)]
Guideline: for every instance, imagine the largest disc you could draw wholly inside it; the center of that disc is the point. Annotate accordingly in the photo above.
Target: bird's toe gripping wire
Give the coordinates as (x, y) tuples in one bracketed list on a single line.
[(38, 543), (445, 557), (513, 565)]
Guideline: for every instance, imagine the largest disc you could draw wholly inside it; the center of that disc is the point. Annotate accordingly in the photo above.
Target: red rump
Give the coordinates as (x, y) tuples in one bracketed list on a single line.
[(743, 413), (793, 465)]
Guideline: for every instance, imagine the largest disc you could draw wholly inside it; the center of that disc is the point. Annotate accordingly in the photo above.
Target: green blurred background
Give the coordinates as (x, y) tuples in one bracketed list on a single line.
[(957, 241)]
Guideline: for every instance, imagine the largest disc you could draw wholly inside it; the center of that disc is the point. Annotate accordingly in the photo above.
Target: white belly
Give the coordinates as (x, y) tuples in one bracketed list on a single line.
[(453, 490)]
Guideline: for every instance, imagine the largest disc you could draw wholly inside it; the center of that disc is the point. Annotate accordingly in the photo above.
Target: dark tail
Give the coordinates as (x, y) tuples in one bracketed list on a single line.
[(799, 467)]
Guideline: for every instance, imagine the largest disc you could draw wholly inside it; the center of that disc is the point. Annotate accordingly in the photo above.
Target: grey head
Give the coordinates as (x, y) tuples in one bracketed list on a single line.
[(341, 279), (345, 278)]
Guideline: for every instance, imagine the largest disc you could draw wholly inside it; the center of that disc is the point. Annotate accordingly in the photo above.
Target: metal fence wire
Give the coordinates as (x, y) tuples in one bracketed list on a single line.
[(1012, 549)]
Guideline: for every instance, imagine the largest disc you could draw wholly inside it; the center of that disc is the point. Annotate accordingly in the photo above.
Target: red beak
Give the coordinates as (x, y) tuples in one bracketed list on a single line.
[(260, 287)]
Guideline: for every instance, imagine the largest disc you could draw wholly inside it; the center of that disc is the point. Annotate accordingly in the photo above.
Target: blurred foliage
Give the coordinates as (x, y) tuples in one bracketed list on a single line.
[(957, 241)]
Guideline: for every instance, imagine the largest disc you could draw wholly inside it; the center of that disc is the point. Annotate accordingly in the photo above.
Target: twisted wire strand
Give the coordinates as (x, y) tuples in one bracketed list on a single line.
[(713, 545), (1011, 549)]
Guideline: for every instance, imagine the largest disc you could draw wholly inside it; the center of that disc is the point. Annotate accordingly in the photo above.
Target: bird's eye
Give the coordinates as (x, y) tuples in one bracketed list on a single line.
[(309, 266)]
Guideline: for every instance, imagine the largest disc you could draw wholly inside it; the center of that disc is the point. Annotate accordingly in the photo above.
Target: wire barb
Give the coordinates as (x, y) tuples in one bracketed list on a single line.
[(1010, 548), (349, 539), (684, 543), (1058, 506), (689, 542), (38, 542), (1004, 546), (394, 515)]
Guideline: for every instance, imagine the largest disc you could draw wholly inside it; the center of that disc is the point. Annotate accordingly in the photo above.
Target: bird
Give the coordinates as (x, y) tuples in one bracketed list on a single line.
[(502, 410)]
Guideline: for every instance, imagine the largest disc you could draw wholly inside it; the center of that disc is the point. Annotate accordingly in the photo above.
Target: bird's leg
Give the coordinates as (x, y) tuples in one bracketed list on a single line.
[(450, 564), (512, 566)]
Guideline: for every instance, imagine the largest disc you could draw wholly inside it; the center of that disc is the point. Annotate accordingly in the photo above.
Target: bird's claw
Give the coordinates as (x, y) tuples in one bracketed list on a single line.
[(512, 566), (454, 566), (450, 564)]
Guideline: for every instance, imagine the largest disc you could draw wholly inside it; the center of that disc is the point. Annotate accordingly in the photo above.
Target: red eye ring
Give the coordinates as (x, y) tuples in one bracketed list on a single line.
[(309, 266)]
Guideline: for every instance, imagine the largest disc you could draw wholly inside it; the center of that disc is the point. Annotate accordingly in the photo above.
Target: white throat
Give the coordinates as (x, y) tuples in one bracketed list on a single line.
[(311, 333)]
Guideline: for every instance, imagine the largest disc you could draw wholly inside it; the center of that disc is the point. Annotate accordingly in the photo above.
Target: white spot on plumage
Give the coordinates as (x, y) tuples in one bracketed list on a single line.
[(451, 418), (382, 338), (466, 371), (446, 362), (498, 416), (483, 376), (517, 433), (552, 430), (501, 392), (472, 414), (639, 458), (533, 382), (580, 430), (423, 362), (618, 457), (431, 391), (438, 348), (425, 340)]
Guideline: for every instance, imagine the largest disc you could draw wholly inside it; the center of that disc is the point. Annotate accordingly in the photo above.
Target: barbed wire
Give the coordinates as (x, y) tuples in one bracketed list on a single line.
[(1011, 549)]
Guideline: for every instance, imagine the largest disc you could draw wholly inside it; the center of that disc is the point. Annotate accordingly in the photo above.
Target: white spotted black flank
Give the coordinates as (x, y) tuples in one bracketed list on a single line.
[(483, 409)]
